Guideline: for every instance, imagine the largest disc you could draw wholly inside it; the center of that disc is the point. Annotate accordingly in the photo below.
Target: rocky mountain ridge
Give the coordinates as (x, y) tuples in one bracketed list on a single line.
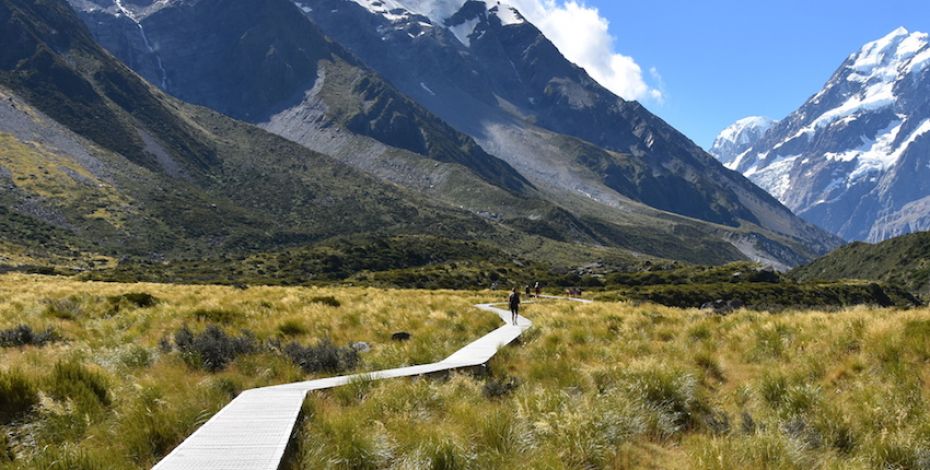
[(855, 158)]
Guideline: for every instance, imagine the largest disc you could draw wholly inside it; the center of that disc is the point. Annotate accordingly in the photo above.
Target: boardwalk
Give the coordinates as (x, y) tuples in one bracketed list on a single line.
[(253, 431)]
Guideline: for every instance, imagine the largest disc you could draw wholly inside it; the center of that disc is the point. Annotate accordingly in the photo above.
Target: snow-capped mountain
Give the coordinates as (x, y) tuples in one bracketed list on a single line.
[(739, 137), (476, 88), (494, 76), (855, 158)]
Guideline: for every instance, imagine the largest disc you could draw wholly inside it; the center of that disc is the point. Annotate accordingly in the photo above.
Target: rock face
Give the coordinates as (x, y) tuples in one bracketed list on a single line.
[(95, 160), (855, 158), (493, 75), (739, 137), (470, 85)]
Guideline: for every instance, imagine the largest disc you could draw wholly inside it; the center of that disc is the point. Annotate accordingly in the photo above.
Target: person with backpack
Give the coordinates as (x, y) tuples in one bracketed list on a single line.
[(514, 301)]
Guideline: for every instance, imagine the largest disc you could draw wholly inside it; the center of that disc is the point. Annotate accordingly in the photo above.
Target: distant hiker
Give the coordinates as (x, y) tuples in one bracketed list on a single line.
[(514, 301), (538, 289), (528, 294)]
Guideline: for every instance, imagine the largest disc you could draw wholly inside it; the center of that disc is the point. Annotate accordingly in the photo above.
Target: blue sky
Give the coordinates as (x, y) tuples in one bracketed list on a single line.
[(721, 60)]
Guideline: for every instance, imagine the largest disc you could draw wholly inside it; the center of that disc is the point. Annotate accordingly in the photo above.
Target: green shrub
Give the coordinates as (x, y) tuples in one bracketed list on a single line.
[(71, 380), (213, 349), (18, 396), (322, 357), (292, 328), (134, 299), (327, 300), (68, 308), (24, 335), (500, 387)]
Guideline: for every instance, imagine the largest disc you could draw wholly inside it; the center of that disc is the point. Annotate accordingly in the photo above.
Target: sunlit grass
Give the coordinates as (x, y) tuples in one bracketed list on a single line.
[(114, 391), (619, 386), (605, 385)]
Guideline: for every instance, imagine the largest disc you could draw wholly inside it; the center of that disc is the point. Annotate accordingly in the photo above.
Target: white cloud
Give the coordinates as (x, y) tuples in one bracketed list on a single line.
[(583, 36)]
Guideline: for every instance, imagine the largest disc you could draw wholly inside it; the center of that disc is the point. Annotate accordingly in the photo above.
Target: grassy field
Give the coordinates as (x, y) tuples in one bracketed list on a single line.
[(107, 377)]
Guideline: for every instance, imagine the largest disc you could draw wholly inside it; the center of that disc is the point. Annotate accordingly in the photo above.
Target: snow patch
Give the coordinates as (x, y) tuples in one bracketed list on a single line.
[(507, 14), (427, 89), (463, 31), (776, 177), (736, 132), (875, 97), (919, 62), (145, 39), (435, 10)]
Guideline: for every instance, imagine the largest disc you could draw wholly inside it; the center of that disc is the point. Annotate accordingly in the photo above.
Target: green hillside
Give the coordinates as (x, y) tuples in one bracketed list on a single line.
[(902, 261)]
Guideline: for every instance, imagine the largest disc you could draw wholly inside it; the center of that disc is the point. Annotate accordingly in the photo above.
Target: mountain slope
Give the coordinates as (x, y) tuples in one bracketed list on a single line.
[(261, 56), (108, 165), (902, 261), (493, 75), (553, 183), (854, 158)]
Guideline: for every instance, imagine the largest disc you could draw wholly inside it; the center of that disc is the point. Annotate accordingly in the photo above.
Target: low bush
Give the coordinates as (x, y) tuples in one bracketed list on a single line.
[(72, 380), (327, 300), (500, 387), (770, 296), (18, 396), (135, 299), (68, 308), (322, 357), (24, 335), (292, 328), (213, 349)]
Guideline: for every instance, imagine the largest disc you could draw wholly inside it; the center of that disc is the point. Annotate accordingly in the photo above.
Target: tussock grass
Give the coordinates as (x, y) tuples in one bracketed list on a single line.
[(18, 395), (116, 390), (617, 385), (606, 385)]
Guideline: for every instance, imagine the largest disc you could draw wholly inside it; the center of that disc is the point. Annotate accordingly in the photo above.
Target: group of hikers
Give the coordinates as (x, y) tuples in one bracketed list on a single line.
[(513, 300)]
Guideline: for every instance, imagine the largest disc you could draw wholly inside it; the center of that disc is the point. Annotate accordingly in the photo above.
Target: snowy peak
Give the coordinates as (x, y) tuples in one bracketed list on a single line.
[(135, 10), (435, 10), (476, 16), (438, 11), (855, 158), (886, 57), (461, 17), (738, 137)]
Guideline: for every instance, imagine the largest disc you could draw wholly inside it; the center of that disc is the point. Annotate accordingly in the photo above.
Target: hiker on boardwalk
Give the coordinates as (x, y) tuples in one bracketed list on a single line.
[(538, 289), (514, 301), (528, 292)]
